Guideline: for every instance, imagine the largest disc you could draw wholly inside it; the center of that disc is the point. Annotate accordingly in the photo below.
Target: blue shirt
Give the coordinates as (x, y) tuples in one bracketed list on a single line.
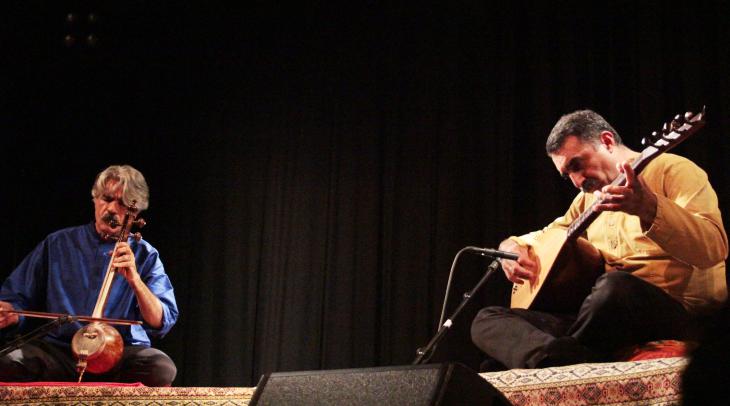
[(64, 273)]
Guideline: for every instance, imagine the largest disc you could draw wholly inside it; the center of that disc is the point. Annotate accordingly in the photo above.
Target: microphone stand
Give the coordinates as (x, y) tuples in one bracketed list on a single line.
[(37, 333), (424, 354)]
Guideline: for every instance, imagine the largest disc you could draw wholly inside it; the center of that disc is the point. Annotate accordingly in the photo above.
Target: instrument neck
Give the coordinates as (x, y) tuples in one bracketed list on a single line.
[(106, 285)]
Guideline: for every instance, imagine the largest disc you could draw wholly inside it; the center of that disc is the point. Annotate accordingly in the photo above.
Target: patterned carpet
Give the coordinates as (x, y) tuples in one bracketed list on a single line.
[(647, 382), (124, 395)]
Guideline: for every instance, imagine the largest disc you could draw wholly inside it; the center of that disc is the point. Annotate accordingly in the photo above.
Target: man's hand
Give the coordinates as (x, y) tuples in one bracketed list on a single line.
[(634, 197), (125, 263), (525, 268), (7, 319)]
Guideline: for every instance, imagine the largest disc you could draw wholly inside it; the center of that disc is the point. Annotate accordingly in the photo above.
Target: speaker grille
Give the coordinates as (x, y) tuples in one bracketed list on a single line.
[(446, 384)]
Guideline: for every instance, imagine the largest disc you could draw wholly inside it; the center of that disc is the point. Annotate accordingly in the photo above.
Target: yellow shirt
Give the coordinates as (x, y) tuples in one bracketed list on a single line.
[(684, 250)]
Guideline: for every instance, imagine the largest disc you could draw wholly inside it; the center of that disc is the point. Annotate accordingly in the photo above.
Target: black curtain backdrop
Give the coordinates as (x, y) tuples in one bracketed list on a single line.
[(313, 170)]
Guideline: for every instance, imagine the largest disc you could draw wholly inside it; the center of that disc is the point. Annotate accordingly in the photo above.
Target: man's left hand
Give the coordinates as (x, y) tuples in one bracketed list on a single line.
[(125, 263), (634, 197)]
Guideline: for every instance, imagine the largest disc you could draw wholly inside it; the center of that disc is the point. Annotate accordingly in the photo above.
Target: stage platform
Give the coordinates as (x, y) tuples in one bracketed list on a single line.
[(108, 394), (643, 382)]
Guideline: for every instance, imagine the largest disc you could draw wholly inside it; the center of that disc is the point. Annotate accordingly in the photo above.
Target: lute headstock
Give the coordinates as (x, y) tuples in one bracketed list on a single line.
[(670, 135), (675, 131)]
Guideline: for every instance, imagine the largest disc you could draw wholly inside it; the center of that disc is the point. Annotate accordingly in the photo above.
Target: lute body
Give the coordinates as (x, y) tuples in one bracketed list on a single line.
[(569, 267)]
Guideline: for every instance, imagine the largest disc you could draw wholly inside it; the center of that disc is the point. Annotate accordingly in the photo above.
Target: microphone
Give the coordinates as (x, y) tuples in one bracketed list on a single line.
[(488, 252)]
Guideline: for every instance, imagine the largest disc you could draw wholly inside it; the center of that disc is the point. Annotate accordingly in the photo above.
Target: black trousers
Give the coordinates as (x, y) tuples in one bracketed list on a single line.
[(43, 361), (621, 310)]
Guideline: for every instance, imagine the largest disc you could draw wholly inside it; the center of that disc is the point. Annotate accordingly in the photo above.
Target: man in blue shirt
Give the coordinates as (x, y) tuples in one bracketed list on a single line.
[(64, 274)]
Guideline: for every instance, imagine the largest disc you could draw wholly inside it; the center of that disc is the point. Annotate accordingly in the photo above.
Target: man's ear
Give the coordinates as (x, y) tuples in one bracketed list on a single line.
[(608, 140)]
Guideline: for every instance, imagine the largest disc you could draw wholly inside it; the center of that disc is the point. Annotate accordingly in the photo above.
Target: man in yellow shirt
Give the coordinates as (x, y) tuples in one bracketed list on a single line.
[(661, 238)]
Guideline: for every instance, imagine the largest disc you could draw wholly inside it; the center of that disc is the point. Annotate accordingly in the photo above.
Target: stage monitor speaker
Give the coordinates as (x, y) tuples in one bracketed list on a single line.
[(432, 384)]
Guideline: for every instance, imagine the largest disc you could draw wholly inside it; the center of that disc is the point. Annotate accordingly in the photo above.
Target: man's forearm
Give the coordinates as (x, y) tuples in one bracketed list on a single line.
[(149, 304)]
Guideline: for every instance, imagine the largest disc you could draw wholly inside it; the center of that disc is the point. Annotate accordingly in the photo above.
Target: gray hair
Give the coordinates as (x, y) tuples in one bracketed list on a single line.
[(587, 125), (134, 187)]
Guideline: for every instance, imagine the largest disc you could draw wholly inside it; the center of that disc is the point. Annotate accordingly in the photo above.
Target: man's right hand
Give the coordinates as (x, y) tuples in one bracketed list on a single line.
[(526, 267), (7, 319)]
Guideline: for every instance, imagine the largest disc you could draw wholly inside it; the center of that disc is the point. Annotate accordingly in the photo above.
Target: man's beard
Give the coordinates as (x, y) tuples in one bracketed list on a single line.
[(589, 185)]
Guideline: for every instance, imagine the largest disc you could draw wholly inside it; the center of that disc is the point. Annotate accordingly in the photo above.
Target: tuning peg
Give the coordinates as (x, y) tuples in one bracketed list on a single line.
[(645, 141), (666, 129), (676, 122), (139, 223), (137, 236)]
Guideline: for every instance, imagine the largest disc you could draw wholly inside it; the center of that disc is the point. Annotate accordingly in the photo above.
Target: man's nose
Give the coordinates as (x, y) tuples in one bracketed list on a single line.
[(116, 208), (577, 179)]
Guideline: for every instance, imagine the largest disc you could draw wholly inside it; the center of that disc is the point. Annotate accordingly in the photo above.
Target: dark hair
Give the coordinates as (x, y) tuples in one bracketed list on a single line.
[(587, 125)]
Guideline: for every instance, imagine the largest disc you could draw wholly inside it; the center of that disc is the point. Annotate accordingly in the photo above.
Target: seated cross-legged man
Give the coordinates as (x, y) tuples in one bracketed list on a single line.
[(661, 242), (63, 275)]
